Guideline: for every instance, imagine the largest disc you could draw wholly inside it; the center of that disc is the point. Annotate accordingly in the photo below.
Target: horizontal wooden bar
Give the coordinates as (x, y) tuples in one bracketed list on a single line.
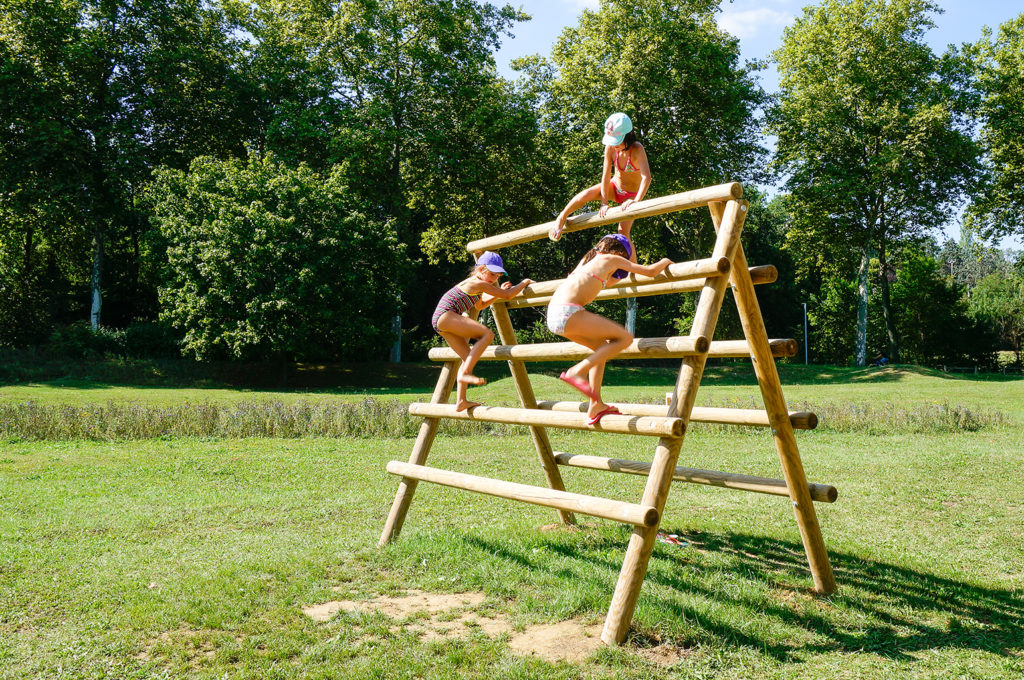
[(801, 420), (640, 348), (653, 206), (823, 493), (759, 275), (651, 426), (738, 349), (679, 271), (630, 513)]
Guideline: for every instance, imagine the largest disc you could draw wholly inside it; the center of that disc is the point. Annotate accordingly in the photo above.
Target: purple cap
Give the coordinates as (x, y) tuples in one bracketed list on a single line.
[(492, 261), (622, 273)]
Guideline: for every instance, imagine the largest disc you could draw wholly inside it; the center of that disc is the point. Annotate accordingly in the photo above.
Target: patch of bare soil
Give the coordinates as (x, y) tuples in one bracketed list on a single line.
[(438, 616)]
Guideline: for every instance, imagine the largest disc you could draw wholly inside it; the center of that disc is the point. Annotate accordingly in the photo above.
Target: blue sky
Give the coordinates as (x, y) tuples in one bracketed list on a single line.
[(758, 24)]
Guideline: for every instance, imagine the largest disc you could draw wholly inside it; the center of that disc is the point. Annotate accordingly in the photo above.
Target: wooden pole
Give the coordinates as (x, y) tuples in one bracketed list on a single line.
[(652, 206), (823, 493), (679, 271), (524, 388), (677, 346), (649, 348), (640, 425), (778, 414), (801, 420), (420, 450), (641, 542), (760, 275), (618, 511)]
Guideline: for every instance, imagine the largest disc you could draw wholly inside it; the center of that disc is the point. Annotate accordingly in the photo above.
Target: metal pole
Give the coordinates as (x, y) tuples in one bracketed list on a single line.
[(805, 333)]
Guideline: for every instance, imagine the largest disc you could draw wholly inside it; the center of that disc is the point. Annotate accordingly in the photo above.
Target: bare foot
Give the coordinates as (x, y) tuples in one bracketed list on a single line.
[(471, 379), (465, 404), (595, 408)]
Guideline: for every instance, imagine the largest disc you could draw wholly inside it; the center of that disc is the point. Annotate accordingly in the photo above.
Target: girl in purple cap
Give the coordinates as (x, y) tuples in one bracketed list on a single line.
[(629, 184), (611, 257), (478, 291)]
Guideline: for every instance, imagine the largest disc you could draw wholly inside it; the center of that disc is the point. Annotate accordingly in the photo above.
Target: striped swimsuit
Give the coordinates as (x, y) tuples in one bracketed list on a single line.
[(455, 300)]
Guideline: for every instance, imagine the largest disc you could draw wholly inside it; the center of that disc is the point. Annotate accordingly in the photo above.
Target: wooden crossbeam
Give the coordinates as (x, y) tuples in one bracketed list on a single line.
[(679, 271), (762, 274), (801, 420), (649, 426), (641, 348), (823, 493), (686, 200), (629, 513)]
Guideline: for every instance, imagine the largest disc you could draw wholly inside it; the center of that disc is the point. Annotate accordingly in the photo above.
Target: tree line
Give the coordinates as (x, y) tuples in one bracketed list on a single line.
[(262, 180)]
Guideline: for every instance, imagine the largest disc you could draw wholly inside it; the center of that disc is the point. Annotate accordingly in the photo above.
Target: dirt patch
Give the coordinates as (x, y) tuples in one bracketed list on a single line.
[(439, 616), (563, 641)]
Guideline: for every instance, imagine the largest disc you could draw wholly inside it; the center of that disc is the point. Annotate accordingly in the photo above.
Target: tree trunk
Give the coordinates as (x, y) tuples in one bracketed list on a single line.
[(631, 305), (862, 308), (890, 321), (97, 272)]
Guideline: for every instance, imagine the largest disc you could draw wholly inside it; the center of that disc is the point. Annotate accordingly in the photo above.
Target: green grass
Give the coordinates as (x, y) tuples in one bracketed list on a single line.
[(193, 557)]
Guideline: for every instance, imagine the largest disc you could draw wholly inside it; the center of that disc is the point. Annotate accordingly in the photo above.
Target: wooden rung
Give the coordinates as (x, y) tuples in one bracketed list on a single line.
[(630, 513), (659, 426), (647, 348), (653, 206), (740, 349), (759, 275), (679, 271), (823, 493), (801, 420), (641, 348)]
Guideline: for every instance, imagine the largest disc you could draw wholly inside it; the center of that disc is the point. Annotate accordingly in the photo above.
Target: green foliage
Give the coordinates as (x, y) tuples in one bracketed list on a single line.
[(996, 209), (268, 261), (932, 317), (873, 129), (831, 317), (999, 301)]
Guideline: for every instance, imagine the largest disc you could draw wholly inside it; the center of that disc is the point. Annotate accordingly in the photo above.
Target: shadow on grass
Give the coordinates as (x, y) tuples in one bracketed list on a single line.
[(879, 608)]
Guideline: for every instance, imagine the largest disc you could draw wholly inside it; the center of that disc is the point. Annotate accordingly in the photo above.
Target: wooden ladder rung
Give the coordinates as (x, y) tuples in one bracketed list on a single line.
[(651, 426), (630, 513), (633, 286), (646, 348), (801, 420), (823, 493), (678, 271)]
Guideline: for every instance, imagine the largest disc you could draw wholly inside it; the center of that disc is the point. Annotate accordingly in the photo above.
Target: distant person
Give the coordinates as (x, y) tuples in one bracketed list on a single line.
[(880, 359), (479, 291), (611, 257), (629, 184)]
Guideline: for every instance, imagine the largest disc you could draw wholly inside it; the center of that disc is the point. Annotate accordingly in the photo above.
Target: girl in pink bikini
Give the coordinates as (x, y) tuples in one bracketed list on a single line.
[(478, 291), (630, 183), (611, 257)]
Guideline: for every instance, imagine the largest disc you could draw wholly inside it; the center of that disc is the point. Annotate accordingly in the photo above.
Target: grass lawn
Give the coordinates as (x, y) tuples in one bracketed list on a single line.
[(195, 557)]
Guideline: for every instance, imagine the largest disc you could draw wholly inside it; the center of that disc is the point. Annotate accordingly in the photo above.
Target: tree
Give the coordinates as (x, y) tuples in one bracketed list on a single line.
[(873, 134), (996, 209), (92, 95), (677, 75), (932, 316), (999, 300), (266, 261), (421, 121)]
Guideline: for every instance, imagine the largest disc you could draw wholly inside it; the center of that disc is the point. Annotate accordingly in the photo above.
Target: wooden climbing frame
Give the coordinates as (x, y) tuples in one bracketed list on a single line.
[(709, 277)]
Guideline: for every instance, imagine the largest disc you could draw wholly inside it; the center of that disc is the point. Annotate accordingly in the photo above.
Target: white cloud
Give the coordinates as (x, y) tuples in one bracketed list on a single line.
[(581, 4), (750, 23)]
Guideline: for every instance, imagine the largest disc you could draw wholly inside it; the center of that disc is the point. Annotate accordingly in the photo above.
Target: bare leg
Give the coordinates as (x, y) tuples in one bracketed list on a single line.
[(606, 338), (456, 330), (624, 228), (578, 201)]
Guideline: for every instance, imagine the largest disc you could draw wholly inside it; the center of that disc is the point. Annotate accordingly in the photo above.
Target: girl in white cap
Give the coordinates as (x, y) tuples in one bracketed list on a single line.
[(478, 291), (610, 258), (630, 182)]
